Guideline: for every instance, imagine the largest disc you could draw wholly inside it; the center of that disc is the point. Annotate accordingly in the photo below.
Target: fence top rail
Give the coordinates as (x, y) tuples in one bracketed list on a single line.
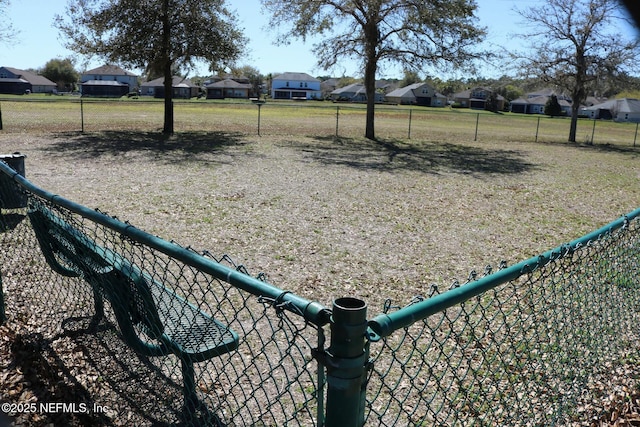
[(384, 325), (312, 312)]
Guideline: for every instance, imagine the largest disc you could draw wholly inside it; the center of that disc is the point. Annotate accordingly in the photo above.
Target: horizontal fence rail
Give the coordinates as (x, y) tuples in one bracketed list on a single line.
[(196, 340), (316, 118)]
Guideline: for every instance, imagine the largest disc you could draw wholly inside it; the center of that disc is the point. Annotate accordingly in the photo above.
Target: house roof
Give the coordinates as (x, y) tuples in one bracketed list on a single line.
[(623, 105), (467, 93), (404, 92), (352, 88), (32, 78), (177, 82), (103, 83), (539, 100), (111, 70), (229, 84), (303, 77), (13, 81)]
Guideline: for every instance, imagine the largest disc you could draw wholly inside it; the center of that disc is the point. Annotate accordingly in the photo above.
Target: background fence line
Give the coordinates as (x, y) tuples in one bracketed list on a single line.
[(277, 118), (536, 347)]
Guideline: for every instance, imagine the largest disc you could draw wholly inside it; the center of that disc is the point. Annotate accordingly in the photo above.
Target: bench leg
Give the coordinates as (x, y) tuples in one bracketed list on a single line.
[(189, 381), (98, 303), (191, 401)]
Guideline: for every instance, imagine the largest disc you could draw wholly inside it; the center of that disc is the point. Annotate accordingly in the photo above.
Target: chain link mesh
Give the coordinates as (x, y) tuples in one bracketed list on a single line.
[(535, 350), (270, 379)]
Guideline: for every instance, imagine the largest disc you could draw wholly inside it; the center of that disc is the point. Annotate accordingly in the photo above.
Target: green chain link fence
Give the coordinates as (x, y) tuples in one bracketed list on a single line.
[(189, 338)]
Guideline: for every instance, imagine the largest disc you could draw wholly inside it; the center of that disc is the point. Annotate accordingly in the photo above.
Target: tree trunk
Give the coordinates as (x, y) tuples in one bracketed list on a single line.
[(573, 128), (168, 101), (370, 68), (166, 67), (370, 90)]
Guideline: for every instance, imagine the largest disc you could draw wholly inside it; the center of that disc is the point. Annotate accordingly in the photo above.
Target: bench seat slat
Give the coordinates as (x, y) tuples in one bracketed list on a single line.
[(185, 329), (188, 329)]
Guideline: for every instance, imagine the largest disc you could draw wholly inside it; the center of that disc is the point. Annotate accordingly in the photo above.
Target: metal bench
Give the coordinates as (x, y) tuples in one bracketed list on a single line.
[(152, 318)]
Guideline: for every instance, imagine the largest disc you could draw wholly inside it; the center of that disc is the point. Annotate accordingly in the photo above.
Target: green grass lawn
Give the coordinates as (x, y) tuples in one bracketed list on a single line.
[(40, 114)]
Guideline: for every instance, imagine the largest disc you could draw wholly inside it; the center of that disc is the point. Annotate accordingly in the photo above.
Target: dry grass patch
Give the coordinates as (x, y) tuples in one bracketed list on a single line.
[(327, 218)]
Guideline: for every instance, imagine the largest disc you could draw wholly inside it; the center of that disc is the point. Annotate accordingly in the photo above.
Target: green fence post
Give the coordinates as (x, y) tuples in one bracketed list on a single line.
[(346, 363), (3, 315), (0, 118)]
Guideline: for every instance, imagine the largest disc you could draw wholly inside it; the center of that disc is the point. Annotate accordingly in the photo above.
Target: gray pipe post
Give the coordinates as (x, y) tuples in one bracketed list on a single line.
[(346, 363)]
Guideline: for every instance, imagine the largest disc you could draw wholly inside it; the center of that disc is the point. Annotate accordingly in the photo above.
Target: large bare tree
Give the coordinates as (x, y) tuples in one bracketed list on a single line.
[(160, 36), (6, 29), (574, 45), (415, 34)]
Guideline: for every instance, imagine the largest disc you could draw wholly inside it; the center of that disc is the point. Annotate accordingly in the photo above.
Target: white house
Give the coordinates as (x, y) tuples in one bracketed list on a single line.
[(620, 110), (295, 86)]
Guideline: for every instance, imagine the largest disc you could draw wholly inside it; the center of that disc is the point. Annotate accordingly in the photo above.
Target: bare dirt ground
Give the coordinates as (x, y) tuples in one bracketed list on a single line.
[(327, 218)]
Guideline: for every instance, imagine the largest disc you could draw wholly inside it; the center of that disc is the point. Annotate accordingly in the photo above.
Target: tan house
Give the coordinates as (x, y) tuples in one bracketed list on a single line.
[(417, 94), (229, 88), (477, 98)]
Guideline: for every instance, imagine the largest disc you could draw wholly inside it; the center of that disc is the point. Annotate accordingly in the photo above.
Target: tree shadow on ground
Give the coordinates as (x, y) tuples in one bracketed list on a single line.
[(179, 147), (633, 151), (426, 157)]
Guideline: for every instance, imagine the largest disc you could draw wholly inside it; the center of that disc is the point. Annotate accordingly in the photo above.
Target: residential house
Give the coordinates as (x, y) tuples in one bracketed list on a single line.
[(535, 102), (108, 81), (477, 98), (619, 110), (355, 92), (328, 86), (298, 86), (417, 94), (229, 88), (18, 82), (182, 88)]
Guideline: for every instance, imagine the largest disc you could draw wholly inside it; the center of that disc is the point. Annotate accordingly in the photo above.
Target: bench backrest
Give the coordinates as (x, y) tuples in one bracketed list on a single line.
[(72, 253)]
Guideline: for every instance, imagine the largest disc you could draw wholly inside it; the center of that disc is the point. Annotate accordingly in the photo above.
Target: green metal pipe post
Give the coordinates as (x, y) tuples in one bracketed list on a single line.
[(3, 315), (346, 363)]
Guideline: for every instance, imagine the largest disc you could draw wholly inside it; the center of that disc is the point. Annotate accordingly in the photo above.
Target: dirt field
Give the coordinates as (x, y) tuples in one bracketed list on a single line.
[(328, 218)]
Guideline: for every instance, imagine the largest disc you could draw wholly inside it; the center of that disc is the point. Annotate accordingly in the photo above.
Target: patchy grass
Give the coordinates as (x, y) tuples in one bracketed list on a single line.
[(328, 217)]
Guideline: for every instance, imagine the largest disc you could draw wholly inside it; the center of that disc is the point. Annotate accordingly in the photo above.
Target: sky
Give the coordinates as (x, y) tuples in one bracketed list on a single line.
[(38, 40)]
